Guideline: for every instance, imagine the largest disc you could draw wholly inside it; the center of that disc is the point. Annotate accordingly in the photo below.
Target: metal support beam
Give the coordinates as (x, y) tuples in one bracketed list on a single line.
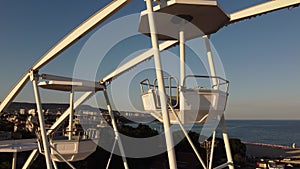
[(226, 143), (80, 31), (161, 89), (34, 79), (188, 137), (62, 45), (260, 9), (30, 159), (60, 156), (71, 114), (111, 154), (54, 164), (14, 92), (114, 124), (14, 160), (140, 58), (182, 56), (63, 117), (35, 153), (182, 70), (135, 61), (211, 61), (212, 150)]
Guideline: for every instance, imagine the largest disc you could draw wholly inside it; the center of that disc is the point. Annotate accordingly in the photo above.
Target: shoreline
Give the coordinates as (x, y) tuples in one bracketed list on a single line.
[(284, 153)]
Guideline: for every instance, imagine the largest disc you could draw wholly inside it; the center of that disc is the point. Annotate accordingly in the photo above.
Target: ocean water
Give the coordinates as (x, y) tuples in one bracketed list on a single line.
[(279, 132)]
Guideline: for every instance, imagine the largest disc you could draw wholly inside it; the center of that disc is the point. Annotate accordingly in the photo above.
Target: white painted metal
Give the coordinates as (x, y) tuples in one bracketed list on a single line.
[(80, 154), (111, 154), (33, 155), (161, 88), (14, 92), (62, 118), (210, 61), (263, 8), (54, 164), (21, 145), (61, 83), (194, 108), (71, 115), (14, 161), (114, 124), (182, 57), (149, 102), (226, 143), (215, 86), (72, 150), (66, 42), (215, 100), (188, 137), (102, 14), (135, 61), (212, 150), (59, 155), (45, 142), (98, 18), (182, 71), (81, 30), (199, 23)]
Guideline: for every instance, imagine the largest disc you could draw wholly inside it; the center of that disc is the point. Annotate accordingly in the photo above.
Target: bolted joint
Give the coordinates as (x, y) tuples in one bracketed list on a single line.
[(34, 75), (116, 138)]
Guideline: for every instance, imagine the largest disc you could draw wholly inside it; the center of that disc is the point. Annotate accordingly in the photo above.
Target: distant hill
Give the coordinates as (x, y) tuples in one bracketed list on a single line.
[(16, 106), (27, 106)]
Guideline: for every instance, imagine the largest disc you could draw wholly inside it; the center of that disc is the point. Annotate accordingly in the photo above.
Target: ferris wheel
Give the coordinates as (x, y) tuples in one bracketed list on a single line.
[(169, 99)]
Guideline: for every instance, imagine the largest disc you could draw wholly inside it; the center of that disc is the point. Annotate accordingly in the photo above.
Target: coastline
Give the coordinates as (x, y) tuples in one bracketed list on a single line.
[(282, 154)]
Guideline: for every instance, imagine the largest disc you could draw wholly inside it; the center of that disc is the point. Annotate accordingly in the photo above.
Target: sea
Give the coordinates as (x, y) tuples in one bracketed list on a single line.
[(279, 132), (276, 132)]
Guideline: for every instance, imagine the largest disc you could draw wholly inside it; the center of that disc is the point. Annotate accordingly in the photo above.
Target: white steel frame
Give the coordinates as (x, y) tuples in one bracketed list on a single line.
[(117, 136), (46, 146), (161, 88), (91, 23)]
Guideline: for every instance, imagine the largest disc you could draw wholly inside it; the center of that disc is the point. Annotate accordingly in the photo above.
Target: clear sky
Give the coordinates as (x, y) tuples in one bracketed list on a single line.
[(261, 56)]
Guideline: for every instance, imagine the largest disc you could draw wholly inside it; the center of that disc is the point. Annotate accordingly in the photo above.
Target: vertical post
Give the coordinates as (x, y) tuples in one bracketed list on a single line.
[(226, 143), (114, 124), (211, 61), (212, 69), (14, 160), (212, 150), (182, 56), (45, 141), (161, 89), (215, 86), (182, 72), (71, 114)]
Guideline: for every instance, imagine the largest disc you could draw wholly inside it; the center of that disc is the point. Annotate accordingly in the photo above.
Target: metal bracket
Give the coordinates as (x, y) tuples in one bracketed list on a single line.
[(34, 75)]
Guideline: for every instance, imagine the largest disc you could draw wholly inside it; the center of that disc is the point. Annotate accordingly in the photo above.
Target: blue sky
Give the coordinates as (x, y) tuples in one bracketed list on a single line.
[(261, 56)]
